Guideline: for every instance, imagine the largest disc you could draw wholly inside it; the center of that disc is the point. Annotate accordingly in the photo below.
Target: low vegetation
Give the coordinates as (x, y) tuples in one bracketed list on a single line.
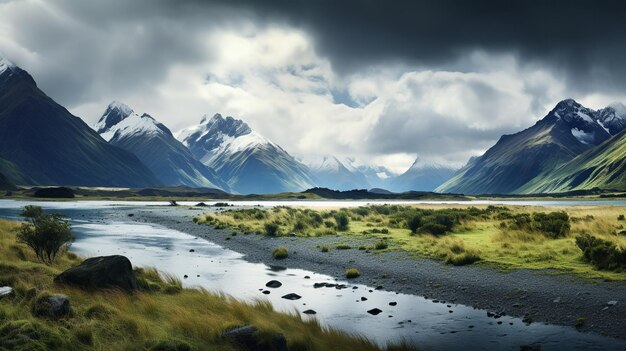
[(46, 234), (280, 253), (162, 315), (352, 273), (508, 237)]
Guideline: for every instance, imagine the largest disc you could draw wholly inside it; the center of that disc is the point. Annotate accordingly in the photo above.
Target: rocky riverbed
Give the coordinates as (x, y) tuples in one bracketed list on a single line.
[(536, 296)]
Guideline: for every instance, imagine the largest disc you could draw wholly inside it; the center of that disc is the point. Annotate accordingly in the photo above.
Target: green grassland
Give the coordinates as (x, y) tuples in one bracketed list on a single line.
[(511, 237), (161, 316)]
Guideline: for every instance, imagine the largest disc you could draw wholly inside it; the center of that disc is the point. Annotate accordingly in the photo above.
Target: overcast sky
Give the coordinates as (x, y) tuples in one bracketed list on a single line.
[(385, 81)]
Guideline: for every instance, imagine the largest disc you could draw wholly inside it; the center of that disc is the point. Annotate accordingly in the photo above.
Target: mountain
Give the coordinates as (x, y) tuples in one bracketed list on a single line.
[(567, 131), (603, 166), (376, 176), (612, 118), (330, 172), (421, 176), (154, 144), (247, 161), (5, 183), (43, 143)]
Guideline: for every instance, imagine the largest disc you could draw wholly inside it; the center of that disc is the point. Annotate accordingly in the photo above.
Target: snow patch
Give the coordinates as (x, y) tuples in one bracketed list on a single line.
[(133, 125), (603, 127), (582, 136), (585, 117), (5, 65)]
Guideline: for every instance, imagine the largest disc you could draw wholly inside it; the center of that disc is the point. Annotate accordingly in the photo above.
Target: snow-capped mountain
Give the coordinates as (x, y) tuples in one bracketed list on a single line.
[(249, 162), (564, 133), (612, 118), (330, 172), (154, 144), (41, 143), (376, 176), (421, 176)]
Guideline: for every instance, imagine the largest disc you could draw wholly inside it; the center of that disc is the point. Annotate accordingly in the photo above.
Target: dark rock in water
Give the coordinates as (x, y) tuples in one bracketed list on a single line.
[(201, 204), (266, 292), (51, 306), (131, 215), (374, 311), (249, 338), (380, 287), (173, 203), (292, 296), (100, 273), (185, 276), (55, 193), (192, 250), (393, 303), (363, 298), (307, 277), (273, 284), (309, 312)]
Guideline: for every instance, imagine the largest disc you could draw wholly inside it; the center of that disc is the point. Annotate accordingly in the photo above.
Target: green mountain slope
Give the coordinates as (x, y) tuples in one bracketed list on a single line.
[(601, 167)]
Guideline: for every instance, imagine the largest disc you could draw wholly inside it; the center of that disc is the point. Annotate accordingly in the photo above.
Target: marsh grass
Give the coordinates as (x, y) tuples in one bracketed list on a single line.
[(161, 314)]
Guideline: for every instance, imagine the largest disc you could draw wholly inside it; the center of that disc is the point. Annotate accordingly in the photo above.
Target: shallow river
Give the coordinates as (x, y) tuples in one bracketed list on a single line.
[(426, 323)]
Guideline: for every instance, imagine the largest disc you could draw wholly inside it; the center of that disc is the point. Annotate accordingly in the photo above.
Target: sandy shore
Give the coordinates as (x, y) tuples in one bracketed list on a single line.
[(538, 296)]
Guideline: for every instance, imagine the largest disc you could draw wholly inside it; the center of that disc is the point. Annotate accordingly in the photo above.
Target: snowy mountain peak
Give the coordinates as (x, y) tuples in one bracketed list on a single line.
[(6, 65), (119, 120), (421, 163), (114, 114), (212, 131)]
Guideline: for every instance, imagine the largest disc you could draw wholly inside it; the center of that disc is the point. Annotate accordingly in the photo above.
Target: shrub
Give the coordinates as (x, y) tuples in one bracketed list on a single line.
[(384, 231), (324, 248), (434, 228), (621, 217), (414, 223), (343, 247), (352, 273), (45, 234), (271, 229), (601, 253), (381, 245), (280, 252), (343, 221), (553, 224)]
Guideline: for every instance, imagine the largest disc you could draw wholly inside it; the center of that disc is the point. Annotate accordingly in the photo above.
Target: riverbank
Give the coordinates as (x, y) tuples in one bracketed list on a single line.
[(161, 315), (537, 296)]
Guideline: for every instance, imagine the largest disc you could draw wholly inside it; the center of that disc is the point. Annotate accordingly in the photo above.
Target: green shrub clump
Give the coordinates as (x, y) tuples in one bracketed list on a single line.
[(381, 245), (352, 273), (343, 221), (280, 252), (272, 229), (603, 254), (46, 234), (553, 224)]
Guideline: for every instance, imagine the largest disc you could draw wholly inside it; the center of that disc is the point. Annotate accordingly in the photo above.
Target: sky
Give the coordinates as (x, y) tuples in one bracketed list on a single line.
[(382, 81)]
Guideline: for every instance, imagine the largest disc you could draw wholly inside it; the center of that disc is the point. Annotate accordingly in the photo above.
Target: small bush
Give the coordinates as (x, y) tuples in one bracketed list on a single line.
[(601, 253), (381, 245), (553, 224), (324, 248), (271, 229), (384, 231), (343, 221), (280, 253), (434, 228), (343, 247), (45, 234), (621, 217), (352, 273), (414, 223)]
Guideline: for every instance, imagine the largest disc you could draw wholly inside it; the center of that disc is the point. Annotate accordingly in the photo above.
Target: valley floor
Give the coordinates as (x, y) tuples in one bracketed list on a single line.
[(538, 295)]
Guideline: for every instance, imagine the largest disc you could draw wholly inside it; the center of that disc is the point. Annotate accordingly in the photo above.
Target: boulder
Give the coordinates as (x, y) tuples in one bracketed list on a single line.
[(104, 272), (292, 296), (51, 306), (249, 338), (273, 284)]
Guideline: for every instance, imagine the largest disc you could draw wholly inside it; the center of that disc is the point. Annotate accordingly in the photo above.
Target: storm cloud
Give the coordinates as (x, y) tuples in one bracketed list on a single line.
[(383, 81)]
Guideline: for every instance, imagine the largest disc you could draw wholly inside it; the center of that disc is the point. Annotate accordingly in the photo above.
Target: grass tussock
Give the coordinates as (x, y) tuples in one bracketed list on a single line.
[(280, 253), (352, 273), (161, 316)]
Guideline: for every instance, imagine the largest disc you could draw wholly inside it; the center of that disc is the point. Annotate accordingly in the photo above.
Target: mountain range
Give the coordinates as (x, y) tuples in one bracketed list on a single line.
[(41, 143), (155, 145)]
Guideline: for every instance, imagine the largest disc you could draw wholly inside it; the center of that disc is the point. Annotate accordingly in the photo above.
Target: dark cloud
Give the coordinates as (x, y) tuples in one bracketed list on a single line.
[(583, 39)]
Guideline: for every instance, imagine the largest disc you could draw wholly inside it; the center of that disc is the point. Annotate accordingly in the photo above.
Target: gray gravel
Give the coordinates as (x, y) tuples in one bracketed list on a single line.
[(537, 295)]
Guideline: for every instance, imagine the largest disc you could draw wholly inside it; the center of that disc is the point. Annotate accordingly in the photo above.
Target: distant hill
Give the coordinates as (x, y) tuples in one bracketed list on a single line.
[(421, 176), (5, 183)]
